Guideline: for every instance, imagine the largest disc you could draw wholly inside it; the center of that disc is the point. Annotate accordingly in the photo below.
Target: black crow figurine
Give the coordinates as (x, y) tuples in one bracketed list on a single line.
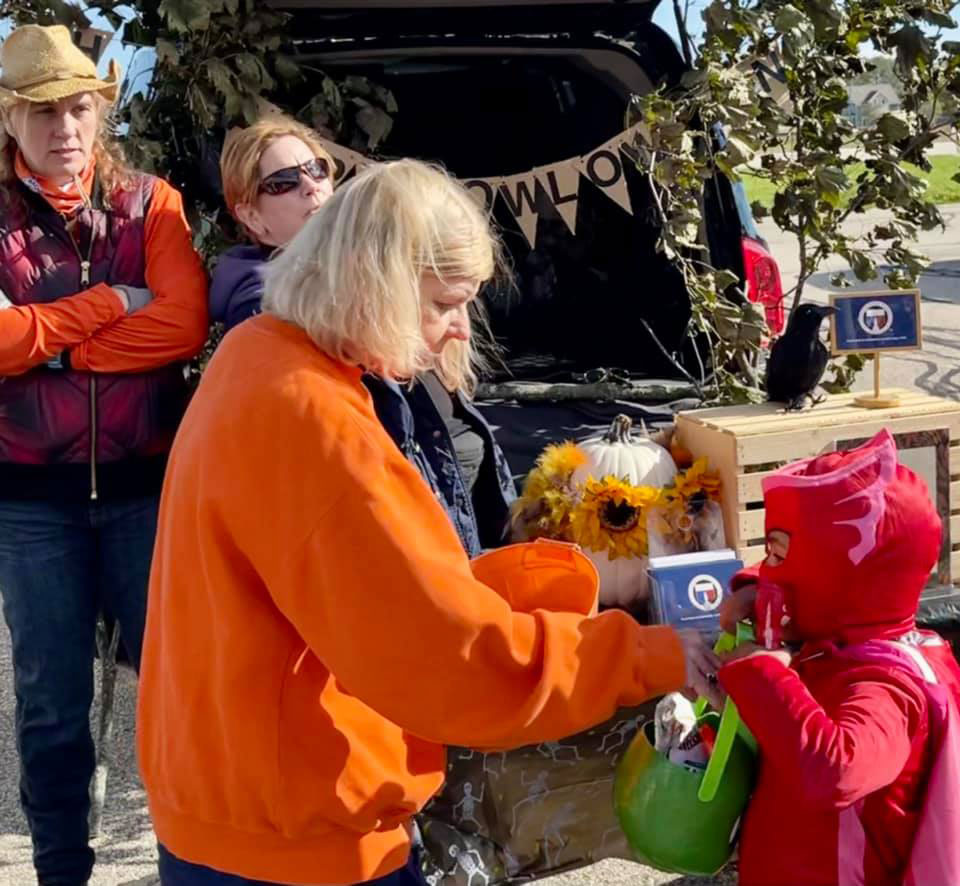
[(798, 358)]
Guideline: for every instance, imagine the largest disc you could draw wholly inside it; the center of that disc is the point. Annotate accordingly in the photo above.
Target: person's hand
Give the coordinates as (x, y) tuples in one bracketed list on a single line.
[(737, 607), (133, 297), (752, 650), (702, 664)]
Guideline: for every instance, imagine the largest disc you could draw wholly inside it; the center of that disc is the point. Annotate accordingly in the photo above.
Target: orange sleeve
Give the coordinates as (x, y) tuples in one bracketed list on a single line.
[(32, 334), (383, 594), (174, 326)]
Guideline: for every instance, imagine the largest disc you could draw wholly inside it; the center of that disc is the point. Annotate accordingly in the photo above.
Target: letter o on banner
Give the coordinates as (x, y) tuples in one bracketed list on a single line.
[(483, 191), (604, 174), (605, 170)]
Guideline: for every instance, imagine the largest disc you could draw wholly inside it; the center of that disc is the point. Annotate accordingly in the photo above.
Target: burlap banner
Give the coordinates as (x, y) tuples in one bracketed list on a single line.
[(561, 184), (604, 167)]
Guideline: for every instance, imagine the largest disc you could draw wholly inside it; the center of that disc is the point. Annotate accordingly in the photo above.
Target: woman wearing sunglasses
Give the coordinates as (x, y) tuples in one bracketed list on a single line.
[(275, 175)]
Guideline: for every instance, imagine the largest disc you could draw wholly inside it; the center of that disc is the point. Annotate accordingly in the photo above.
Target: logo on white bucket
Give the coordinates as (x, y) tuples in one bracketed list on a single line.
[(705, 592)]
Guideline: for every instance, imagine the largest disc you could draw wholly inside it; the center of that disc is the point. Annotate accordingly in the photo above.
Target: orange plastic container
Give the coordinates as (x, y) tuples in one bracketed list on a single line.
[(542, 574)]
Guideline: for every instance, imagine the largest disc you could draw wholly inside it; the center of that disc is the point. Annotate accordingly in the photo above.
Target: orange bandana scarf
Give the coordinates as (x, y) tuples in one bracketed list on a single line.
[(66, 199)]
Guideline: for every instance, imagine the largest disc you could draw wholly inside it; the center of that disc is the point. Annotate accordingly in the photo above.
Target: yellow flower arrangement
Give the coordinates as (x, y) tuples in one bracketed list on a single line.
[(608, 514), (543, 510), (611, 516)]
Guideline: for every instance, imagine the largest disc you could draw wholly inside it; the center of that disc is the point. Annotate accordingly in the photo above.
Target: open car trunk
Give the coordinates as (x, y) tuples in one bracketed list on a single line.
[(584, 305), (378, 18), (597, 299)]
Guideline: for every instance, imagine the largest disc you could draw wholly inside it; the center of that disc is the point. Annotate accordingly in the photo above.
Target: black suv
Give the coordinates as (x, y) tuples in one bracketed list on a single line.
[(492, 87), (495, 88)]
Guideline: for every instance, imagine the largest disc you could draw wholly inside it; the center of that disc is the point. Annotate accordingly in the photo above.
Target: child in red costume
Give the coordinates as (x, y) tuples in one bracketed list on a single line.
[(859, 780)]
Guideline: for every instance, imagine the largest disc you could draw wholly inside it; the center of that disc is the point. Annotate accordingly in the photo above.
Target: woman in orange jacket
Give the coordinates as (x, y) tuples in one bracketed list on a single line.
[(102, 300), (315, 634)]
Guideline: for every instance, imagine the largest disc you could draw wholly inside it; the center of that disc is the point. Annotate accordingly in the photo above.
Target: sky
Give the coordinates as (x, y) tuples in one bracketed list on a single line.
[(663, 16)]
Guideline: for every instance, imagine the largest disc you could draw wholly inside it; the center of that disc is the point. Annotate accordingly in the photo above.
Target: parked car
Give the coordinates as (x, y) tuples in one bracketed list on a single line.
[(490, 88)]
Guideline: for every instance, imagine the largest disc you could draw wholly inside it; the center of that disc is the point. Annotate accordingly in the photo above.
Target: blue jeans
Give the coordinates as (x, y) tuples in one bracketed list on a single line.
[(176, 872), (60, 565)]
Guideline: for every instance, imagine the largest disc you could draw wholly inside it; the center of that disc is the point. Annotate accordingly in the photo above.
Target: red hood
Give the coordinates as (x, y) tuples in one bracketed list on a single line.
[(864, 537)]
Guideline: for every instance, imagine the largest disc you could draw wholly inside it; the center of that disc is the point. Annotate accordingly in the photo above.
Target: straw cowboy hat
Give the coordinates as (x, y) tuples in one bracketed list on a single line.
[(42, 64)]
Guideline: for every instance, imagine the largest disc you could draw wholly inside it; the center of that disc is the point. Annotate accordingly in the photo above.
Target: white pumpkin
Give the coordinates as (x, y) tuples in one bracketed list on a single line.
[(628, 456), (639, 461)]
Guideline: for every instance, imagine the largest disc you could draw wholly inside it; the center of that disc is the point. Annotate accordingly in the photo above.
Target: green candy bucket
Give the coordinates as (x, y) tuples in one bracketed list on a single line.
[(679, 820)]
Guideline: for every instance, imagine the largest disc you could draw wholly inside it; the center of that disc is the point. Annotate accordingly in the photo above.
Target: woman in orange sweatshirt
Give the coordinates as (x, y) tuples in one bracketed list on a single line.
[(315, 635), (102, 300)]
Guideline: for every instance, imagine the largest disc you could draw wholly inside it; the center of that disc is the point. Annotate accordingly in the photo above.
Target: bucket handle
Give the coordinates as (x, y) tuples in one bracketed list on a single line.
[(730, 723), (549, 549)]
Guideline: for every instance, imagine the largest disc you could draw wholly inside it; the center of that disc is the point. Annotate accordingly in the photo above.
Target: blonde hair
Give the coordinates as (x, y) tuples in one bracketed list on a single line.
[(351, 276), (113, 173), (243, 148)]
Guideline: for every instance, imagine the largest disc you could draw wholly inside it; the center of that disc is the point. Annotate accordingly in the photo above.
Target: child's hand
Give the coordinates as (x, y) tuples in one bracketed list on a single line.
[(702, 663), (737, 607), (752, 650)]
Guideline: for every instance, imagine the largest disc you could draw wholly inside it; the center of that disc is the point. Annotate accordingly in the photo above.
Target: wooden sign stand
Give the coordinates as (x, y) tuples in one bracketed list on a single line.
[(902, 310), (877, 400)]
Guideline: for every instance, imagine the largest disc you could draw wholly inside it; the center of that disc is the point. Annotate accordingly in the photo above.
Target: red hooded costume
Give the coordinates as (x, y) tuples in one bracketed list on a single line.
[(847, 737)]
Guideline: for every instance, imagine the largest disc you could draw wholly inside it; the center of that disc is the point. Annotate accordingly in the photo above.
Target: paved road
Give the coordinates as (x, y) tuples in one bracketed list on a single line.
[(126, 850), (935, 369)]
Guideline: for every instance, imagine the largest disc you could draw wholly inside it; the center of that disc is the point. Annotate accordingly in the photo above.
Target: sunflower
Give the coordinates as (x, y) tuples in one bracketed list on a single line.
[(543, 509), (559, 460), (696, 479), (612, 516)]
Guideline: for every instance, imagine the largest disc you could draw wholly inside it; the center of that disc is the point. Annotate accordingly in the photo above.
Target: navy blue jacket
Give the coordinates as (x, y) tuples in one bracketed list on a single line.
[(409, 416), (236, 285)]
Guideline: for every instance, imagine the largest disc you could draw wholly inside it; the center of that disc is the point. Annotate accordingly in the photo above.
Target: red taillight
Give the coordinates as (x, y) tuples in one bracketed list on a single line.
[(763, 283)]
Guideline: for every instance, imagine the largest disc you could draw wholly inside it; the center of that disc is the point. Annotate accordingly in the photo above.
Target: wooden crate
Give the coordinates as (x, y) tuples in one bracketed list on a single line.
[(744, 443)]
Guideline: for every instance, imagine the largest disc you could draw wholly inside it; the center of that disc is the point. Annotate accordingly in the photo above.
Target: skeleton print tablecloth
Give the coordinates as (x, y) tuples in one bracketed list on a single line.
[(529, 812)]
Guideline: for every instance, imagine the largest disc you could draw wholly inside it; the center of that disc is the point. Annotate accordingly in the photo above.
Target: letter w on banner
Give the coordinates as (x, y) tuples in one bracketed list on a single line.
[(519, 192)]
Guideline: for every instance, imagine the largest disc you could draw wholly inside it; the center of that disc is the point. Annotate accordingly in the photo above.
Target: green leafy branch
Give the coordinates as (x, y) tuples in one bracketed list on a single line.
[(799, 138)]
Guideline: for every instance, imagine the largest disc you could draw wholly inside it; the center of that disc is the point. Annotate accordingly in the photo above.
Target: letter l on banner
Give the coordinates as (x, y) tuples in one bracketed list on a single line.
[(561, 183)]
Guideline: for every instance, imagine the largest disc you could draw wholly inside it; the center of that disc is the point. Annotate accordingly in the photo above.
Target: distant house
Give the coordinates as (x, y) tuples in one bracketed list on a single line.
[(869, 101)]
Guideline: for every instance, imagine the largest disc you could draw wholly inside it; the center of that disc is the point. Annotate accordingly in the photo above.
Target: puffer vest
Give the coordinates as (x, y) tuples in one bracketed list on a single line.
[(66, 434)]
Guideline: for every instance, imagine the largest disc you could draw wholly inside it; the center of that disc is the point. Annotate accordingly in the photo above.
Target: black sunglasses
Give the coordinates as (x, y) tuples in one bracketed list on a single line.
[(285, 180)]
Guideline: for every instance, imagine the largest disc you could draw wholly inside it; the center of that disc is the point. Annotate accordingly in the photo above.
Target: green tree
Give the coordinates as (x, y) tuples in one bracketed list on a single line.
[(216, 61), (772, 76)]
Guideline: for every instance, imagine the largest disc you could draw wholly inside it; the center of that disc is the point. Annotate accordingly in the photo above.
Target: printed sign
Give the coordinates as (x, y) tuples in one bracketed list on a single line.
[(686, 590), (866, 322)]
